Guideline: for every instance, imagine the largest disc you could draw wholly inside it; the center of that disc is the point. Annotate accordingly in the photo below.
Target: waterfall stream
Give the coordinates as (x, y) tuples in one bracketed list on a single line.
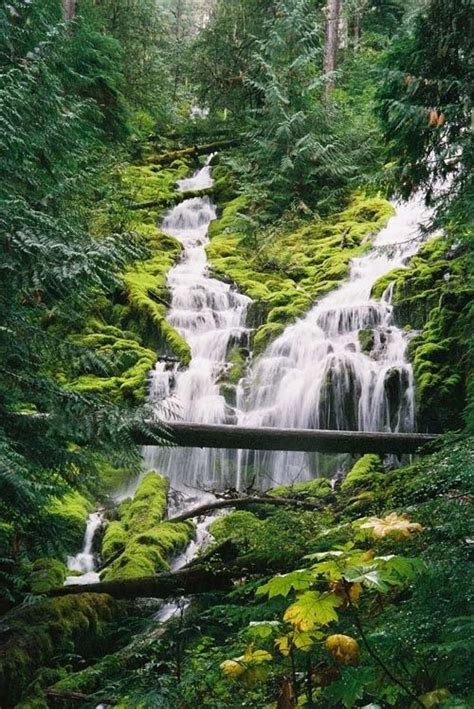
[(210, 315), (316, 374), (84, 563)]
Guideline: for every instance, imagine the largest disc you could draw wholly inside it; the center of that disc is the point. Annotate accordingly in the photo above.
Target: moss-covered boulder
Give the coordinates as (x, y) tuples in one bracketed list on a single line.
[(47, 574), (35, 634), (366, 474), (69, 516), (139, 542)]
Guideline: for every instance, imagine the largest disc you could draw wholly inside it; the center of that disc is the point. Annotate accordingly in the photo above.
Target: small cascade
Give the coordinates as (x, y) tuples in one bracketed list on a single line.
[(84, 563), (210, 315), (317, 374)]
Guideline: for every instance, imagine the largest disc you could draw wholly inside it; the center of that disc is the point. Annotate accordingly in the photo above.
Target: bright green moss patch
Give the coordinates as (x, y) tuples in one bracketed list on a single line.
[(289, 271), (241, 526), (126, 330), (319, 487), (70, 514), (433, 295), (367, 473), (47, 574), (142, 541)]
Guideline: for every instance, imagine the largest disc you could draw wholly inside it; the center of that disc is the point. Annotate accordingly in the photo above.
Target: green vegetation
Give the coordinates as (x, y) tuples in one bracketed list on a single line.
[(433, 295), (139, 543), (286, 270), (363, 601)]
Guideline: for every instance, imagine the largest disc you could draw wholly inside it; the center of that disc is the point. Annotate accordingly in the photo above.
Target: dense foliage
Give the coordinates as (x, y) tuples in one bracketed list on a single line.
[(363, 599)]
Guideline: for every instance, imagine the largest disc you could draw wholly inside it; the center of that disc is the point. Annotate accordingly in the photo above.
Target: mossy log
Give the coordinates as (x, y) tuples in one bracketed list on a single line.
[(286, 439), (192, 152), (187, 581), (171, 201), (243, 502)]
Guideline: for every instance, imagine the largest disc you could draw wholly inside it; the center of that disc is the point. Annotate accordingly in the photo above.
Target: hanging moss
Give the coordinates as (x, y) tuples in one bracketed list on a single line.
[(288, 272), (143, 541)]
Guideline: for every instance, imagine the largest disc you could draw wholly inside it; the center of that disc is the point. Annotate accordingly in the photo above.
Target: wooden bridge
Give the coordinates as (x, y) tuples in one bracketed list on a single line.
[(284, 439)]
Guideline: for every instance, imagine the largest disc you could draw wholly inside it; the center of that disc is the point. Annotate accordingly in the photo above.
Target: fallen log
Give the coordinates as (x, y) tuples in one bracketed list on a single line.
[(190, 580), (286, 439), (64, 695), (243, 502), (192, 151), (171, 201)]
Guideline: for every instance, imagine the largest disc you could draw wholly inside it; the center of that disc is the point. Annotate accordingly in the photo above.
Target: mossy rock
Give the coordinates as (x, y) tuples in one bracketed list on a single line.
[(240, 526), (366, 340), (47, 574), (317, 488), (432, 294), (39, 633), (301, 263), (142, 541), (70, 515), (367, 473)]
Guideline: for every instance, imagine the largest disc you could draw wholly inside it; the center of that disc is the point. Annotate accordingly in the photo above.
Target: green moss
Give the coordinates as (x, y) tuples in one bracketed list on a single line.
[(240, 526), (114, 540), (40, 632), (366, 340), (143, 541), (70, 515), (319, 487), (126, 330), (47, 574), (366, 473), (299, 264)]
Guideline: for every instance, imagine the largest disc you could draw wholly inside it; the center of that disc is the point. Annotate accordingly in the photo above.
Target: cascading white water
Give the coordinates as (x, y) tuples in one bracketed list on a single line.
[(316, 375), (210, 315), (84, 563)]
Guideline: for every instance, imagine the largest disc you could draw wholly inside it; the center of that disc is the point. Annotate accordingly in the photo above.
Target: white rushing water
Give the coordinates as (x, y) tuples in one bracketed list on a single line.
[(210, 315), (315, 375), (84, 563)]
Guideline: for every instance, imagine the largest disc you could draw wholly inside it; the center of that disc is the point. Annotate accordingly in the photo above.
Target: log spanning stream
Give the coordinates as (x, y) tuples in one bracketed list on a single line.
[(314, 376)]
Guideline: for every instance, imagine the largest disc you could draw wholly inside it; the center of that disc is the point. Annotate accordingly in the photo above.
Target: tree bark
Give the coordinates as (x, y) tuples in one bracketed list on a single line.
[(284, 439), (190, 580), (69, 9), (193, 151), (333, 11), (171, 201), (243, 502)]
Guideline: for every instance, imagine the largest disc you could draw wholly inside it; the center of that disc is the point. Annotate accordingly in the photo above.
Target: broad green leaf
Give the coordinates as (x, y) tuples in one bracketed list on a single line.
[(262, 629), (312, 609), (281, 585)]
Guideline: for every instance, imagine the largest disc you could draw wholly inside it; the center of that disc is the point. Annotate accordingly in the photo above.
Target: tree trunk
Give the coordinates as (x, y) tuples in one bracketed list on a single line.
[(194, 435), (333, 11), (69, 9), (243, 502), (185, 582)]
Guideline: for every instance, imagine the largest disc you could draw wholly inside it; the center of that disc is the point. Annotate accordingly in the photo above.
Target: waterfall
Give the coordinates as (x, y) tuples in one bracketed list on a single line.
[(210, 315), (84, 563), (315, 375)]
